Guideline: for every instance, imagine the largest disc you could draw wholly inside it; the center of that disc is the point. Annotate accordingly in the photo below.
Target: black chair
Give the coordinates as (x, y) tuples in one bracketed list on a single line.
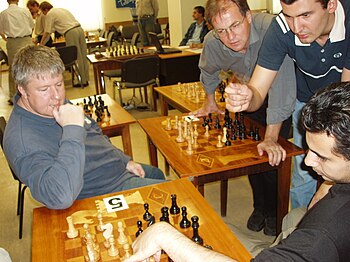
[(21, 187), (69, 56), (127, 33), (3, 61), (139, 72)]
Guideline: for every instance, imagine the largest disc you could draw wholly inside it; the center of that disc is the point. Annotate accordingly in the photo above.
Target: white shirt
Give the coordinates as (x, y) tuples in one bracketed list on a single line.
[(16, 21), (60, 20)]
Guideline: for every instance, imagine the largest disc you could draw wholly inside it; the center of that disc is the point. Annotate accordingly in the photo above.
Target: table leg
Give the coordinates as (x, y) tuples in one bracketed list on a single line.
[(95, 67), (152, 150), (126, 140), (163, 105), (283, 185), (223, 196)]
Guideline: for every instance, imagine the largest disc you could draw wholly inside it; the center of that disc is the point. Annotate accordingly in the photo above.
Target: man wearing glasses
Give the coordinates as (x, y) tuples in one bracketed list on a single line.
[(233, 46)]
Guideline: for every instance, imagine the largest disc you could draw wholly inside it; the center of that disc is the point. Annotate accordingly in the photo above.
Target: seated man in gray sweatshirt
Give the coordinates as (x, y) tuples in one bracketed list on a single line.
[(57, 151)]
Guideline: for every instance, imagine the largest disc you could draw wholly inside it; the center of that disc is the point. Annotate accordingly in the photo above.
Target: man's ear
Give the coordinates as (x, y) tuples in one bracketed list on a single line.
[(332, 6), (248, 15), (22, 91)]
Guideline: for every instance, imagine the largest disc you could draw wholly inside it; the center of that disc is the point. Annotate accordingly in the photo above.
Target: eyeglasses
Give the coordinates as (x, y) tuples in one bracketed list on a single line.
[(222, 32)]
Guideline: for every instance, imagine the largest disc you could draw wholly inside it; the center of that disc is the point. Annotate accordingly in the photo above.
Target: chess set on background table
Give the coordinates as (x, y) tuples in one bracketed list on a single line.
[(69, 235)]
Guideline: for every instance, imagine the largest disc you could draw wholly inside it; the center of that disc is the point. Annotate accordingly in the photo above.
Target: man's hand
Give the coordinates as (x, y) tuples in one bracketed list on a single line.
[(69, 114), (320, 193), (135, 168), (148, 244), (275, 151), (209, 106), (238, 97)]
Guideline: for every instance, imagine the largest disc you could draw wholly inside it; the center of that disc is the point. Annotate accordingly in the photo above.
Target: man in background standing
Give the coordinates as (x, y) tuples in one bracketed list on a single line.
[(62, 21), (147, 12), (33, 7), (197, 30), (16, 25)]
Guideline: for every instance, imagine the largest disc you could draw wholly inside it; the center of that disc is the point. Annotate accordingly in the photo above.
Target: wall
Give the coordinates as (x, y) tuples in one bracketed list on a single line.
[(113, 14)]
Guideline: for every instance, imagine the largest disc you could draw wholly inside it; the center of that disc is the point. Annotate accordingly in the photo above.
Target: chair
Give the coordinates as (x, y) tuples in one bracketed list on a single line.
[(128, 32), (69, 56), (117, 72), (158, 31), (21, 189), (139, 72), (110, 40)]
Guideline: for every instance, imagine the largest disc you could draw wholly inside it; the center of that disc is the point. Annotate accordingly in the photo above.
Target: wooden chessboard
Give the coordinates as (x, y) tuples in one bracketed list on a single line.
[(75, 249), (208, 144)]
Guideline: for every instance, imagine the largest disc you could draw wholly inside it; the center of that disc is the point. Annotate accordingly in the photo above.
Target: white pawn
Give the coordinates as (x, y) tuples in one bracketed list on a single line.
[(224, 139), (168, 124), (176, 122), (206, 134), (100, 222), (122, 239), (219, 144), (126, 248), (72, 231), (180, 137), (112, 250)]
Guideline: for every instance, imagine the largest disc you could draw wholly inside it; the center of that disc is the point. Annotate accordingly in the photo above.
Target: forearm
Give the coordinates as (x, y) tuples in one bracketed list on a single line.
[(56, 179), (45, 38), (272, 132)]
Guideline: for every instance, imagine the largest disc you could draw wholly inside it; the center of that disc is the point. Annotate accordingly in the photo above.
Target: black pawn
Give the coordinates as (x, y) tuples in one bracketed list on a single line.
[(139, 226), (184, 223), (165, 215), (174, 209), (228, 142), (210, 118), (147, 215), (257, 137), (204, 121), (195, 225), (233, 135), (217, 123)]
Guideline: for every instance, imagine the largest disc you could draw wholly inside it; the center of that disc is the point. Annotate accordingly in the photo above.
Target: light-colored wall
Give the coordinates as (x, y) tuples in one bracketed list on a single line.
[(113, 14)]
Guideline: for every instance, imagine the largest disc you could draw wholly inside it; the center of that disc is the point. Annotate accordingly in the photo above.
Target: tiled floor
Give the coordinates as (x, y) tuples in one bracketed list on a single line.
[(239, 198)]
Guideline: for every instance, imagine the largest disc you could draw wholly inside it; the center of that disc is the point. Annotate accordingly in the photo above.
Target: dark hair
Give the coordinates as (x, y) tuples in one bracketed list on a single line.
[(200, 9), (45, 6), (217, 7), (32, 3), (328, 111), (324, 3)]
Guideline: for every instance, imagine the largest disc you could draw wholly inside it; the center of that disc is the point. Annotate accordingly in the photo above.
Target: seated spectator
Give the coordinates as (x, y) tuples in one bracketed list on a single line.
[(197, 30), (57, 151), (322, 234)]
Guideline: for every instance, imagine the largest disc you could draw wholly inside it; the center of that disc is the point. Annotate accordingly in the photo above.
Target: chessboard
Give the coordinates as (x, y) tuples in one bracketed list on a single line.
[(215, 132), (125, 228)]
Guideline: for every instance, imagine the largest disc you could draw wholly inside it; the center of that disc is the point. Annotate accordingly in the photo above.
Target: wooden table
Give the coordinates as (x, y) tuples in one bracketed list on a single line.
[(119, 122), (49, 241), (220, 164), (108, 63), (91, 42), (172, 95)]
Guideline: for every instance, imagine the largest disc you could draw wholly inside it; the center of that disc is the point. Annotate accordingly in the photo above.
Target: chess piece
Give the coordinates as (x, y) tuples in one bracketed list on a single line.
[(126, 248), (92, 254), (180, 137), (176, 122), (139, 226), (184, 223), (168, 124), (217, 123), (147, 215), (72, 231), (189, 150), (151, 221), (206, 134), (100, 222), (223, 139), (87, 234), (195, 225), (228, 142), (165, 215), (257, 136), (195, 130), (174, 209), (122, 239), (112, 250), (195, 141), (219, 144), (107, 233)]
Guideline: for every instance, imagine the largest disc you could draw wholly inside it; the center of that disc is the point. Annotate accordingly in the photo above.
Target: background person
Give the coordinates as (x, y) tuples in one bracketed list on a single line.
[(147, 13)]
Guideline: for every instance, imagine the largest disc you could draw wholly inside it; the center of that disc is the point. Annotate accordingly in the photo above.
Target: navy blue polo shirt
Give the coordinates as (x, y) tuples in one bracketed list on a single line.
[(316, 66)]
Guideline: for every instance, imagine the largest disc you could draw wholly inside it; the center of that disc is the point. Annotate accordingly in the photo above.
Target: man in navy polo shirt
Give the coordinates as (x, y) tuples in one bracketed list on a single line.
[(316, 35)]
